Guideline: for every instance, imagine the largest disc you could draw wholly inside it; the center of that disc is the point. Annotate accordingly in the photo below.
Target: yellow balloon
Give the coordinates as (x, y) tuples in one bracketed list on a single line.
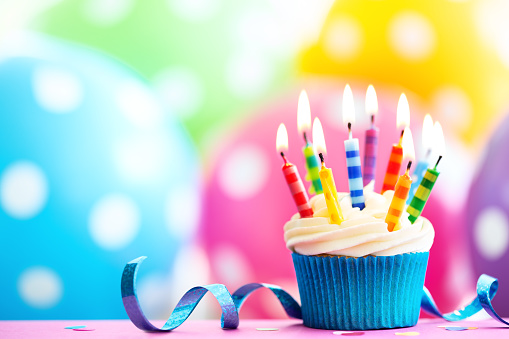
[(454, 54)]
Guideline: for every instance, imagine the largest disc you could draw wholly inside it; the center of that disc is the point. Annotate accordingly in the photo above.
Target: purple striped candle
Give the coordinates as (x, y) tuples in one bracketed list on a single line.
[(370, 152)]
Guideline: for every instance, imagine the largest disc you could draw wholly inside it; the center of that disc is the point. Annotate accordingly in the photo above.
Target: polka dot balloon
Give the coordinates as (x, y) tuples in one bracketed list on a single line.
[(89, 179), (488, 215), (248, 202), (453, 54)]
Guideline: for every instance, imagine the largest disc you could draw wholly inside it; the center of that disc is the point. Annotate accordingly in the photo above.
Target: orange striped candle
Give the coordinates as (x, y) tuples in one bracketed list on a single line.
[(394, 166), (398, 201)]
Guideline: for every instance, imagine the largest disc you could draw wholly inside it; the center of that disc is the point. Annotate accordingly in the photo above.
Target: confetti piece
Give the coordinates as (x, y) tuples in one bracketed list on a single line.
[(407, 334), (84, 329), (341, 332), (267, 329), (456, 328), (73, 327), (473, 328), (353, 333)]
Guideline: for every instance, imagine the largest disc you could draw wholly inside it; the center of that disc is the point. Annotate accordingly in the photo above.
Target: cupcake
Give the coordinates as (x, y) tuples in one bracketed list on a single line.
[(358, 275)]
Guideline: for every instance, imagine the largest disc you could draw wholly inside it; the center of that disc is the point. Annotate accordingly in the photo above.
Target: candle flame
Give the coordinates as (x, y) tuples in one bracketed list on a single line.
[(371, 101), (348, 106), (438, 138), (303, 113), (403, 112), (427, 132), (408, 145), (318, 137), (282, 139)]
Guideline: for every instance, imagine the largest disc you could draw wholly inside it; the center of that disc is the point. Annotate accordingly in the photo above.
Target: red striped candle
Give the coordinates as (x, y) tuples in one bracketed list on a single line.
[(393, 168), (297, 188)]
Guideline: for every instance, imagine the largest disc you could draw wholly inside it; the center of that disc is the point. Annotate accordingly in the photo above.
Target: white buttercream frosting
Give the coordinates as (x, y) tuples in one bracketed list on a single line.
[(362, 233)]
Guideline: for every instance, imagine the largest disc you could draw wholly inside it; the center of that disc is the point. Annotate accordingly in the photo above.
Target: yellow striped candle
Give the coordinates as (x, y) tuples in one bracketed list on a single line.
[(327, 179)]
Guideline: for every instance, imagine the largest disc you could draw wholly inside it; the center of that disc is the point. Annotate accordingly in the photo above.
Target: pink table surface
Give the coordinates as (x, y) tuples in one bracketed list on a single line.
[(247, 329)]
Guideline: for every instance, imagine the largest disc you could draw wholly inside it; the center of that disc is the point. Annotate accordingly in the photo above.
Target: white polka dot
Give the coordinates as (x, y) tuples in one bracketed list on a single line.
[(343, 39), (231, 265), (182, 90), (453, 107), (107, 12), (24, 190), (57, 90), (248, 74), (244, 172), (138, 104), (114, 221), (155, 295), (194, 10), (491, 233), (492, 24), (183, 211), (141, 159), (412, 36), (40, 287)]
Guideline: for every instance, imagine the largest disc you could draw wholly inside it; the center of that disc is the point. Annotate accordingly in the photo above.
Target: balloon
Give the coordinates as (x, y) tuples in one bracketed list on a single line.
[(93, 173), (487, 217), (248, 202), (458, 67), (208, 61)]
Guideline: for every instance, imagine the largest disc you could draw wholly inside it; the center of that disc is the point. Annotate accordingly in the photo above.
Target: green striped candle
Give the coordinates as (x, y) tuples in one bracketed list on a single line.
[(313, 169), (422, 194)]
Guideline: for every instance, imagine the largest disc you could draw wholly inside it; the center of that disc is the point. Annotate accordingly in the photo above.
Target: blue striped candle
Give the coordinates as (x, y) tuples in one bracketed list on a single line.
[(417, 176), (353, 164)]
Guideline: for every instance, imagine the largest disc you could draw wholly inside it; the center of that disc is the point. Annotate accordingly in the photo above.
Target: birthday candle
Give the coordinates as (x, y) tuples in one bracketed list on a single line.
[(430, 177), (353, 160), (304, 125), (329, 186), (371, 144), (292, 176), (394, 166), (422, 165), (402, 187)]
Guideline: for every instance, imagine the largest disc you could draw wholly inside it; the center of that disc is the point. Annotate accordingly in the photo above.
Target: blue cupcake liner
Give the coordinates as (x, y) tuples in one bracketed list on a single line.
[(346, 293)]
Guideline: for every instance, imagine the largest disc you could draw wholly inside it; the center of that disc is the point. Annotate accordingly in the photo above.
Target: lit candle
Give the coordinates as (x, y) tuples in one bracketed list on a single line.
[(292, 176), (371, 146), (304, 125), (430, 177), (353, 159), (329, 186), (402, 186), (394, 166), (422, 165)]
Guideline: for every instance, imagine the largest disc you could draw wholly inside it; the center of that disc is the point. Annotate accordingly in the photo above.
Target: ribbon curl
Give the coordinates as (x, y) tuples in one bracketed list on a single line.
[(231, 303)]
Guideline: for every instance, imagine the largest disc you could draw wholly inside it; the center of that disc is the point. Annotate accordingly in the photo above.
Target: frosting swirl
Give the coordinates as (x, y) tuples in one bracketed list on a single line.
[(362, 233)]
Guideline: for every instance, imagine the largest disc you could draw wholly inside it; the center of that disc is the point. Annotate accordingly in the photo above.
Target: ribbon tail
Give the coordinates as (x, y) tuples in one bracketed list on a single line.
[(486, 289)]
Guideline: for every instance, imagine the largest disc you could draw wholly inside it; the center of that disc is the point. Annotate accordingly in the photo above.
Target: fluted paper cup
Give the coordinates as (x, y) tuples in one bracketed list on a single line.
[(346, 293)]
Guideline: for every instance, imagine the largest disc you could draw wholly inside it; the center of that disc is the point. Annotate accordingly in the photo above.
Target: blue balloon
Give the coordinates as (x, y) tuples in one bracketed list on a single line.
[(93, 172)]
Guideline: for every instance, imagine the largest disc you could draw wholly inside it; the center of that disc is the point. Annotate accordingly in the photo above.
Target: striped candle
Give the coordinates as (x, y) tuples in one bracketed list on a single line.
[(331, 194), (313, 169), (370, 152), (398, 201), (353, 164), (422, 194), (393, 168), (297, 189), (420, 169)]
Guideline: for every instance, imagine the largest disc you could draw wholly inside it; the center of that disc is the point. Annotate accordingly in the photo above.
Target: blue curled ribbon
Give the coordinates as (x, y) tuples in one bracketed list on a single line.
[(231, 303)]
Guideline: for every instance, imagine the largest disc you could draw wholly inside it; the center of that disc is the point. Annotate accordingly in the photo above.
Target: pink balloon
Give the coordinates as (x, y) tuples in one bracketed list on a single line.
[(247, 201)]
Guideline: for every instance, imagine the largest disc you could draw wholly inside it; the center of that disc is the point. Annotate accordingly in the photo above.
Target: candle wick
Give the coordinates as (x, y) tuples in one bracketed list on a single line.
[(439, 158), (401, 137), (350, 130), (306, 138), (372, 120), (409, 165), (321, 157), (284, 158)]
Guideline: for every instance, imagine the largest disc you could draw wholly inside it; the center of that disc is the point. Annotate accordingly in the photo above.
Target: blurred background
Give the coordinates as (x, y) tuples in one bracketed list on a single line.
[(133, 128)]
